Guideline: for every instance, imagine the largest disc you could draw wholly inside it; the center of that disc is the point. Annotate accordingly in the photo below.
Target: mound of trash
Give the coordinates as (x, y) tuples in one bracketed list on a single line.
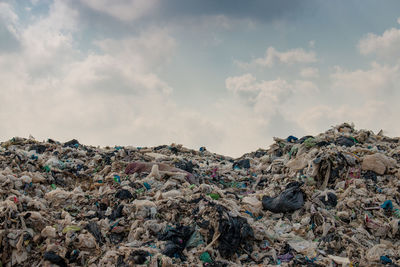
[(326, 200)]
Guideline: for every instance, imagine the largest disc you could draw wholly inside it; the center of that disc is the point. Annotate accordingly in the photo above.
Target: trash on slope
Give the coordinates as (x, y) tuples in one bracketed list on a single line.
[(324, 200)]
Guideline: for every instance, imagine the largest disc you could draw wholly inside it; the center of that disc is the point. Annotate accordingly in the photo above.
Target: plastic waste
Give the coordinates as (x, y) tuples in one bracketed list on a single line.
[(69, 228), (291, 199), (139, 256), (176, 240), (72, 255), (49, 231), (378, 163), (185, 165), (304, 138), (139, 167), (195, 240), (340, 260), (205, 257), (54, 258), (292, 139), (242, 164), (370, 175), (116, 213), (286, 257), (123, 194), (94, 229), (214, 196), (71, 204), (234, 233), (72, 143), (386, 260), (387, 205), (345, 141), (330, 199)]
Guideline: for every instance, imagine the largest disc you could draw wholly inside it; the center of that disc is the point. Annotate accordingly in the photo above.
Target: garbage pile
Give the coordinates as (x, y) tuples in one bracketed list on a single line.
[(326, 200)]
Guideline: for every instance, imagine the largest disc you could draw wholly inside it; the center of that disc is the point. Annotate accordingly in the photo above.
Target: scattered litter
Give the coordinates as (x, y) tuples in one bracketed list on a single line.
[(288, 201), (326, 200)]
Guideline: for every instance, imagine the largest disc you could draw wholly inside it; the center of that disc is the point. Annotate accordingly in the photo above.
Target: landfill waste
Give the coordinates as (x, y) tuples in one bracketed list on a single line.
[(54, 258), (177, 239), (288, 201), (331, 199), (243, 163)]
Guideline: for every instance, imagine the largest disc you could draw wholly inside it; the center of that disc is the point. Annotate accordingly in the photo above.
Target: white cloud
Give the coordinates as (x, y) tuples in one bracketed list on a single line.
[(242, 128), (309, 72), (9, 19), (398, 20), (116, 92), (261, 109), (267, 96), (305, 87), (154, 45), (50, 39), (125, 10), (241, 83), (386, 46), (7, 13), (367, 97), (379, 80), (207, 30), (270, 95), (269, 91), (298, 55), (372, 114), (134, 59), (317, 116), (51, 89)]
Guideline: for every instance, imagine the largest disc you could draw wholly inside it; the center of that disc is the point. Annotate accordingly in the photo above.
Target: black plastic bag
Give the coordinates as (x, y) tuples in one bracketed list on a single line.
[(185, 165), (40, 149), (236, 233), (139, 256), (370, 175), (332, 200), (304, 138), (52, 257), (288, 201), (116, 213), (72, 143), (123, 194), (72, 255), (94, 229), (177, 239), (242, 164), (344, 141)]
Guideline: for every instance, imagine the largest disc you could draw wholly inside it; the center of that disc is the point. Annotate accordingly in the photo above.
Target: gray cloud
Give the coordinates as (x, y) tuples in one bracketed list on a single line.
[(124, 10), (263, 10), (98, 25), (176, 11)]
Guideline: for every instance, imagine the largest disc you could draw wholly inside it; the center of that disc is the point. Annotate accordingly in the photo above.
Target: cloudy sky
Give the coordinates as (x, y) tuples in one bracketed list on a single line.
[(228, 74)]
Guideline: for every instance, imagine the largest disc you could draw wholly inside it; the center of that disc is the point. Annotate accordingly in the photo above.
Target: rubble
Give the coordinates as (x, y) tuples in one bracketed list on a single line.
[(327, 200)]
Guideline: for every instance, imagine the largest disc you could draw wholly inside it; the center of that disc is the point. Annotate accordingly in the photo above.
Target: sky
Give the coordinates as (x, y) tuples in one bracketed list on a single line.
[(228, 75)]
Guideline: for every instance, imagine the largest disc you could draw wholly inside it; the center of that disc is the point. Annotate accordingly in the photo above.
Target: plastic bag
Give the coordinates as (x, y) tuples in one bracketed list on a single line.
[(288, 201)]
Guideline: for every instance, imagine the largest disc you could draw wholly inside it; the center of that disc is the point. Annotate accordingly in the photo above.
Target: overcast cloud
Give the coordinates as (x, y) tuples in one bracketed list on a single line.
[(200, 73)]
